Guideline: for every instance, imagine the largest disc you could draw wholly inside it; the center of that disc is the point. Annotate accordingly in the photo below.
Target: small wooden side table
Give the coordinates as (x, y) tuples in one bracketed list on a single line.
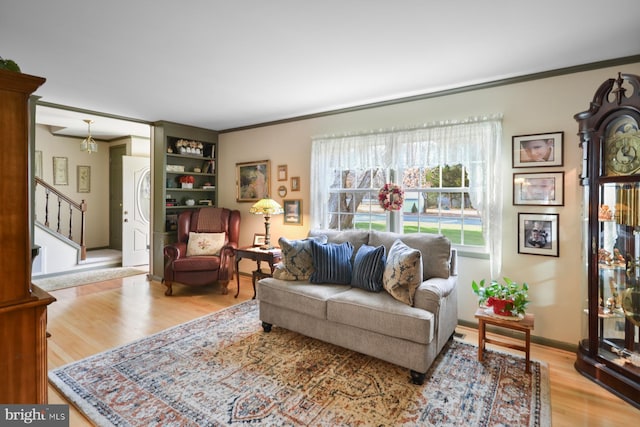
[(525, 325), (270, 256)]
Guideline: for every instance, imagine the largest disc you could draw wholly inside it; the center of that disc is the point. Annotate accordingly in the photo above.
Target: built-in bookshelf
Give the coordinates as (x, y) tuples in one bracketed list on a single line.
[(184, 179)]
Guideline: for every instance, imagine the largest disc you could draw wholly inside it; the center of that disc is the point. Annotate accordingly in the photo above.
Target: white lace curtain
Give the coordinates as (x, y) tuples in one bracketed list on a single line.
[(474, 143)]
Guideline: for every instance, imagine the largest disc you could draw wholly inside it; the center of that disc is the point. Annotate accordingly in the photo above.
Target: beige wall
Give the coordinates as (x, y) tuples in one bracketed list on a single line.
[(557, 286)]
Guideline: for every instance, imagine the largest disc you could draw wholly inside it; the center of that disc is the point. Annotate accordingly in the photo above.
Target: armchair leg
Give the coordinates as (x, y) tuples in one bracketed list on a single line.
[(169, 290), (225, 289)]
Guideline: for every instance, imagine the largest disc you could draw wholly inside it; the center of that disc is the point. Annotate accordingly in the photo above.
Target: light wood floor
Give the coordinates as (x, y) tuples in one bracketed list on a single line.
[(93, 318)]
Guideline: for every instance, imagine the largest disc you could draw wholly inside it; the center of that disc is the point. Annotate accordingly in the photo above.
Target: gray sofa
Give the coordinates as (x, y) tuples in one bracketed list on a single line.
[(372, 323)]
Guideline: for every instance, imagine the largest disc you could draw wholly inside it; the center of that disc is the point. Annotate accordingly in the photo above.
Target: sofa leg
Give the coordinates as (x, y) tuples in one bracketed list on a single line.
[(169, 290), (266, 326), (417, 378)]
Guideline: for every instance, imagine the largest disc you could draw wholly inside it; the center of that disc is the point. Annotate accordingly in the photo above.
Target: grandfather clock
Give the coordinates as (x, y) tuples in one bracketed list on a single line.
[(23, 307), (609, 351)]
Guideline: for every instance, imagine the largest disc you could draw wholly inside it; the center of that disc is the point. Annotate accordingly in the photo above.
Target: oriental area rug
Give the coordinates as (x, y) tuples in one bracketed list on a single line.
[(222, 369)]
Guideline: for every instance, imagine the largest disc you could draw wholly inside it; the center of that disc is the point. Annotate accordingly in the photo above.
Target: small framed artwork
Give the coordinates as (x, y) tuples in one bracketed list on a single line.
[(295, 183), (538, 150), (292, 211), (38, 164), (282, 172), (258, 239), (538, 234), (282, 191), (84, 179), (538, 189), (60, 171), (253, 180)]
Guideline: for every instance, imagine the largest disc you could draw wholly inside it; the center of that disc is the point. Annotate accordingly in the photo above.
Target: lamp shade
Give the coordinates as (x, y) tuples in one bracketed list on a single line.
[(266, 207)]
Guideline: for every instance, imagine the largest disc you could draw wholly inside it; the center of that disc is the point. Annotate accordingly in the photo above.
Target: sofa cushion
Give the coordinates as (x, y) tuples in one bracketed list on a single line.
[(205, 243), (297, 261), (298, 296), (435, 250), (403, 272), (331, 262), (368, 268), (356, 237), (381, 313)]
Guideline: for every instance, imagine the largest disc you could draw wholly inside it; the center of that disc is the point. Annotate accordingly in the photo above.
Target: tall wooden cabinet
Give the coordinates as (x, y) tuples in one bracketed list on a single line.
[(23, 307), (180, 151), (609, 352)]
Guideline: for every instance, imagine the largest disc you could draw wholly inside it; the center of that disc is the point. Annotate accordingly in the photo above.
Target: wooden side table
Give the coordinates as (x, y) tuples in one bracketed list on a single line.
[(525, 325), (270, 256)]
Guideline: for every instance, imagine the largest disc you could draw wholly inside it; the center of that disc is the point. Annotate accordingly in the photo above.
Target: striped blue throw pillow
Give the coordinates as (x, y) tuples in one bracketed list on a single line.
[(331, 262), (368, 268)]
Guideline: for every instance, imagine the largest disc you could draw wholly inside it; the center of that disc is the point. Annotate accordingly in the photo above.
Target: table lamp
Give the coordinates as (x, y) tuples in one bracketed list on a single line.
[(266, 207)]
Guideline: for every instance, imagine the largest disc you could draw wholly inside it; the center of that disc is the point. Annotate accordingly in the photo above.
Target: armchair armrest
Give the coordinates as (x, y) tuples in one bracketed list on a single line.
[(175, 251)]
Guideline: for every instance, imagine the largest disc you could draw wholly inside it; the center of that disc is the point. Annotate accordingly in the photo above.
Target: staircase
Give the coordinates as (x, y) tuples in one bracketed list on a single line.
[(58, 231)]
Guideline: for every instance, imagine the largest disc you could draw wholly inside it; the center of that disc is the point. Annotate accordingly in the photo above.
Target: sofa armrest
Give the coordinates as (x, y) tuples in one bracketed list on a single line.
[(431, 292)]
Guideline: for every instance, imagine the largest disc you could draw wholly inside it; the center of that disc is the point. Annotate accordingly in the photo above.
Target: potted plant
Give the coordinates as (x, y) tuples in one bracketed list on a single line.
[(187, 181), (507, 299)]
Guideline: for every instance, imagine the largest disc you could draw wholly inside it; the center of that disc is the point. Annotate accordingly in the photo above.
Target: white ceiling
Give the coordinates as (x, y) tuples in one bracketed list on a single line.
[(226, 64)]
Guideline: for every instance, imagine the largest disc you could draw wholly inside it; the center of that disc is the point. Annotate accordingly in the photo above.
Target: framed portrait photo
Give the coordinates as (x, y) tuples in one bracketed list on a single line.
[(253, 180), (292, 211), (538, 234), (258, 239), (538, 150), (538, 189)]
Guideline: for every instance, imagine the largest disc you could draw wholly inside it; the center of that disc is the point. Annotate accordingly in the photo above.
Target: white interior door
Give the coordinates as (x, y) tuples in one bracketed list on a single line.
[(136, 210)]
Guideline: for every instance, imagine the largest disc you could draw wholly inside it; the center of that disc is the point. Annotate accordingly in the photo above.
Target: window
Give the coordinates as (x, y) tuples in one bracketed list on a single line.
[(449, 170)]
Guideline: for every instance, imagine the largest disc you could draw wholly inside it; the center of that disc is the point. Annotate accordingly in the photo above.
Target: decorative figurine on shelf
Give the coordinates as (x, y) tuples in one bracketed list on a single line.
[(604, 213), (604, 257), (618, 258)]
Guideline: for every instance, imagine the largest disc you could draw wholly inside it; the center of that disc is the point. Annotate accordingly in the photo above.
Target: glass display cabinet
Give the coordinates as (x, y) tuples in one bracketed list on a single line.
[(609, 351)]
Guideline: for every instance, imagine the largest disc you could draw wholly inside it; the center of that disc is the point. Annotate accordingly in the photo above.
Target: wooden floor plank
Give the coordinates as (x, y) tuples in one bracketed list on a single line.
[(93, 318)]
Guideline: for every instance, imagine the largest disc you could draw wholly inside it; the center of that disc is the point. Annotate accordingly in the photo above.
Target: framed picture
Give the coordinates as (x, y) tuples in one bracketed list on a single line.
[(292, 211), (84, 179), (282, 172), (540, 149), (538, 189), (252, 181), (38, 164), (282, 191), (538, 234), (60, 171), (295, 183), (258, 239)]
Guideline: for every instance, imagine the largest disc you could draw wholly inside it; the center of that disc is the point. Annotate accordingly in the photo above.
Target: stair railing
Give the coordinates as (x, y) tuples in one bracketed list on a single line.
[(71, 205)]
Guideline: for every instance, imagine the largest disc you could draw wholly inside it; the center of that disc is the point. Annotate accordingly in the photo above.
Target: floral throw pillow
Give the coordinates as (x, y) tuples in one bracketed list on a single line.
[(205, 243), (403, 272), (297, 260)]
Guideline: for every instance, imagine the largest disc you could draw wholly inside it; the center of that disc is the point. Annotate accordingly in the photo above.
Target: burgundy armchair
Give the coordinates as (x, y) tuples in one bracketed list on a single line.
[(200, 270)]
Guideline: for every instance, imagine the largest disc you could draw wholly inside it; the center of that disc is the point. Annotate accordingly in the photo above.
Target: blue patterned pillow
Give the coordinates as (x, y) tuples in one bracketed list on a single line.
[(368, 268), (297, 263), (331, 262), (403, 272)]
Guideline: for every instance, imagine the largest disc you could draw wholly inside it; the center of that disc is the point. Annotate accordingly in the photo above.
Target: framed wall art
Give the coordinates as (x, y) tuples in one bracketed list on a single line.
[(295, 183), (538, 189), (253, 180), (38, 164), (538, 234), (84, 179), (60, 171), (292, 211), (538, 150), (282, 172)]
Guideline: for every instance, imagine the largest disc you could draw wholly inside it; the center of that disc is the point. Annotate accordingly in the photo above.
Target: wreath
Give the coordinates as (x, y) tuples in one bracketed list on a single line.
[(391, 197)]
